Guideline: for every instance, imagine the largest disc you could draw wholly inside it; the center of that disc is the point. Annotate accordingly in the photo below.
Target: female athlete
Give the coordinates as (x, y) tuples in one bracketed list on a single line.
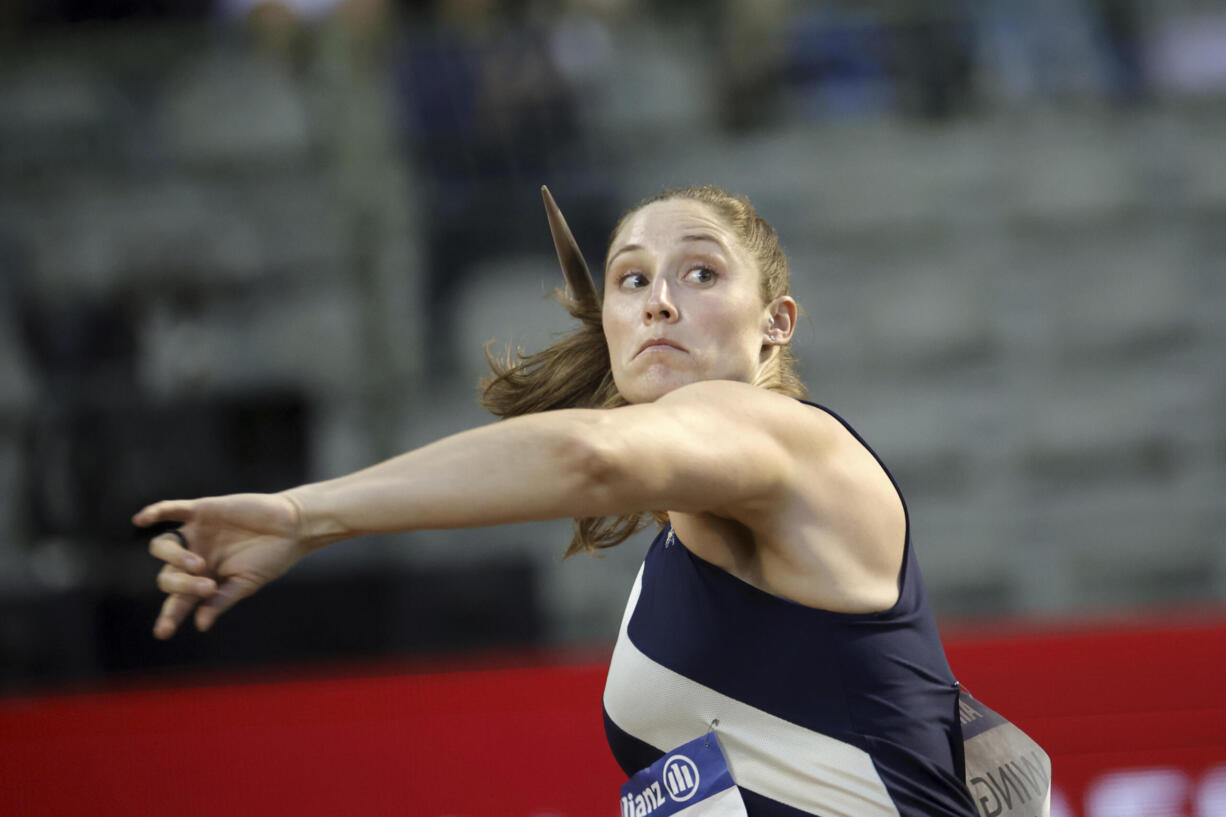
[(779, 608)]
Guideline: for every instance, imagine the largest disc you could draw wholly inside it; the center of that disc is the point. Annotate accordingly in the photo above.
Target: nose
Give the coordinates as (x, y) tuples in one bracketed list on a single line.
[(660, 305)]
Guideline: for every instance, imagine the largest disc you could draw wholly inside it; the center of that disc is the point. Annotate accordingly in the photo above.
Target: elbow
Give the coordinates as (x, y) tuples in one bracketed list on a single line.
[(599, 468)]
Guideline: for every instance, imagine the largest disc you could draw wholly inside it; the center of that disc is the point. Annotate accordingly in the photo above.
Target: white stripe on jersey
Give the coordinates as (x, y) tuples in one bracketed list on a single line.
[(766, 754), (727, 803)]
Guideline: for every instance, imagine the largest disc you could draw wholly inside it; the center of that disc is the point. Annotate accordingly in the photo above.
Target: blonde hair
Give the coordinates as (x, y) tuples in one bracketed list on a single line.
[(574, 372)]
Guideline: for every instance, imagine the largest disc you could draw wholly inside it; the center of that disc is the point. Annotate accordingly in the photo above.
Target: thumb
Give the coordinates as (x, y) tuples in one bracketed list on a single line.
[(230, 592)]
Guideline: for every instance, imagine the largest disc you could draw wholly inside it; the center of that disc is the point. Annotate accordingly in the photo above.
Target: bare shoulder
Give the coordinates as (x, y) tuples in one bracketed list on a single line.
[(834, 535), (743, 403), (803, 431)]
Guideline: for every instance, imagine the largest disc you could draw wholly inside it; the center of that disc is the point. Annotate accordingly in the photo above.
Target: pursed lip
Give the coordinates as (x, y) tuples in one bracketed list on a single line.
[(659, 342)]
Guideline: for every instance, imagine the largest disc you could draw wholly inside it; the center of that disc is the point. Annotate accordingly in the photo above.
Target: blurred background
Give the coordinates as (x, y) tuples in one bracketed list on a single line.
[(246, 245)]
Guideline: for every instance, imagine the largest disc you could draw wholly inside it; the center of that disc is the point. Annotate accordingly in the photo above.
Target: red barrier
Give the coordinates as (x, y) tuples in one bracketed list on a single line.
[(1112, 704), (1131, 716)]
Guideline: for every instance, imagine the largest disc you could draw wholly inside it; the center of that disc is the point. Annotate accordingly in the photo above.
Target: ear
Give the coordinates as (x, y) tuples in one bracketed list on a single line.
[(780, 321)]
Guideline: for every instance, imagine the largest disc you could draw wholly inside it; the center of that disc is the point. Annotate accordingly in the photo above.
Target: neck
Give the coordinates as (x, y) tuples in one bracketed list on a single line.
[(769, 375)]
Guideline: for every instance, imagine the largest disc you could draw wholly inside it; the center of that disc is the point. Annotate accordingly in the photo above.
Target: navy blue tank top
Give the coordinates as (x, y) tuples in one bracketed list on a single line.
[(818, 713)]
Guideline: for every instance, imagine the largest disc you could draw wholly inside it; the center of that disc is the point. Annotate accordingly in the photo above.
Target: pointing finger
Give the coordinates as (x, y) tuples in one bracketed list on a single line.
[(170, 510)]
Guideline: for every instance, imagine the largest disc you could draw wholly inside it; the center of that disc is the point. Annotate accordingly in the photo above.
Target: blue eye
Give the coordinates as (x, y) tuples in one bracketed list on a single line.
[(701, 275), (632, 280)]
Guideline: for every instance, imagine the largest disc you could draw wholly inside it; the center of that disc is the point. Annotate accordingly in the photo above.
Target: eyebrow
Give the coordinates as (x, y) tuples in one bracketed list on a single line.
[(689, 237), (704, 237)]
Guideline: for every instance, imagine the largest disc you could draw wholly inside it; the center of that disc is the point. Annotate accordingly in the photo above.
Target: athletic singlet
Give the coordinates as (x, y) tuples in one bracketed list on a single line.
[(818, 713)]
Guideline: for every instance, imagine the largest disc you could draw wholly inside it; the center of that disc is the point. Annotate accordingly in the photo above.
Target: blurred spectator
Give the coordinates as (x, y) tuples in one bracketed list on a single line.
[(837, 64), (753, 52), (583, 45), (283, 27), (484, 105), (488, 117), (1124, 49), (1040, 50), (933, 65), (79, 11), (915, 59), (1188, 54)]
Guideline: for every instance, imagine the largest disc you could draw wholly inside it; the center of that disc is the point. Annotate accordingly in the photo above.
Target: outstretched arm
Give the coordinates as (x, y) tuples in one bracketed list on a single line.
[(706, 447), (724, 448)]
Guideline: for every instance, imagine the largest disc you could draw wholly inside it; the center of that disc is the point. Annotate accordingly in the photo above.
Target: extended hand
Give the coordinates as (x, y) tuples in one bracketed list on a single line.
[(235, 545)]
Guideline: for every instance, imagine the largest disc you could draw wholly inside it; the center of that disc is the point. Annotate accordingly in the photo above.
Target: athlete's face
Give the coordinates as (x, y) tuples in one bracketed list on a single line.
[(682, 302)]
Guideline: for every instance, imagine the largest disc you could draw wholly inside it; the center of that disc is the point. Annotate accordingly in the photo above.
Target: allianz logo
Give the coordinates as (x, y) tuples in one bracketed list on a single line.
[(680, 781)]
